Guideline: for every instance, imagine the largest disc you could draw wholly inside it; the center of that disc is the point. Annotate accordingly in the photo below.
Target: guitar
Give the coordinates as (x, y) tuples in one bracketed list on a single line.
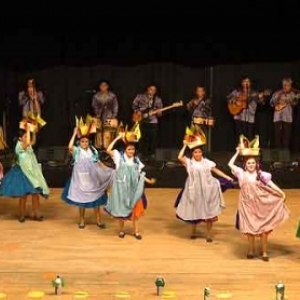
[(238, 104), (282, 103), (138, 116)]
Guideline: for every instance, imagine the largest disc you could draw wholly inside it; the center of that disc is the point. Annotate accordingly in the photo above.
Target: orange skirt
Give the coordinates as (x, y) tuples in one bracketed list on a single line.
[(138, 211)]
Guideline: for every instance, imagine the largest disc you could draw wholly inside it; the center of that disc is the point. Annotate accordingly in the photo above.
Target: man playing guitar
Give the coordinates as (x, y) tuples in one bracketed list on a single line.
[(283, 101), (148, 103), (244, 100), (105, 105)]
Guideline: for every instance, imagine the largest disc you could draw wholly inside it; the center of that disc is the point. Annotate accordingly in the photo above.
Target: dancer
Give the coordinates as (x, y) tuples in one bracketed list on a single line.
[(127, 200), (90, 178), (261, 205), (201, 199), (26, 177)]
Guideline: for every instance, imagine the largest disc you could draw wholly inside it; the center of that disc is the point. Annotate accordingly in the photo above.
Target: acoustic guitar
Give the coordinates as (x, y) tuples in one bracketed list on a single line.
[(139, 116), (282, 103), (238, 104)]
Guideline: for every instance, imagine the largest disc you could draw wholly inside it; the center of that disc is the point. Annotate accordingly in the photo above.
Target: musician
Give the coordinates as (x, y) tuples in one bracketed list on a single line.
[(245, 119), (283, 101), (200, 107), (105, 105), (31, 99), (146, 103)]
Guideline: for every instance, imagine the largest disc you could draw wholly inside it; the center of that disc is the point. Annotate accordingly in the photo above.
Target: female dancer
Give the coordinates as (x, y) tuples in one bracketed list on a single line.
[(127, 200), (201, 199), (261, 203), (89, 181), (25, 178)]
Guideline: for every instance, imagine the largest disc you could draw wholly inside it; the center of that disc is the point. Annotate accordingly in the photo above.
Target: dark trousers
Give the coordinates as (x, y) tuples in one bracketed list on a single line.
[(282, 138), (148, 142), (245, 128)]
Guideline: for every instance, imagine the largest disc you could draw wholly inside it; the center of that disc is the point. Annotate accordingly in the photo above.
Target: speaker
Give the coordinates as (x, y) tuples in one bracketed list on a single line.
[(166, 154), (276, 155), (53, 154)]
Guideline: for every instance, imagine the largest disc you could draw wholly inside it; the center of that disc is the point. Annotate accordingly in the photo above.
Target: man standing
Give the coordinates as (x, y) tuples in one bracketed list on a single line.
[(106, 107), (242, 103), (31, 100), (149, 105), (283, 102)]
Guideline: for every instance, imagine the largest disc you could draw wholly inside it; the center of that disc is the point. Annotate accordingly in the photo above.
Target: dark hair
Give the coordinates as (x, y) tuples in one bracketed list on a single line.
[(90, 143), (104, 81), (191, 151)]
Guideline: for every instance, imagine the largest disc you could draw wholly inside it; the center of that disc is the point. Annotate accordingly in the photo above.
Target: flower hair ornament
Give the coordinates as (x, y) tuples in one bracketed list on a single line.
[(194, 138), (86, 128), (249, 148), (131, 136), (34, 122)]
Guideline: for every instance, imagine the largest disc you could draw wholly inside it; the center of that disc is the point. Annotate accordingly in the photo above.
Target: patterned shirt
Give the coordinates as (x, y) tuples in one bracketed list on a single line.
[(286, 114), (144, 104), (27, 104), (105, 106), (248, 114), (202, 110)]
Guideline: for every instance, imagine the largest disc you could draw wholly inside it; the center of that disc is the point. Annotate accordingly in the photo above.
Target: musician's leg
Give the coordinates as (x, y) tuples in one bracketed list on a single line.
[(238, 129), (153, 132), (144, 140), (250, 130), (277, 134), (286, 135)]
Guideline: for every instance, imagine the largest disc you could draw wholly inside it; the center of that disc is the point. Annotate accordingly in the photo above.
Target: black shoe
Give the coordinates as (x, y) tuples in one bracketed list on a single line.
[(137, 236), (121, 235)]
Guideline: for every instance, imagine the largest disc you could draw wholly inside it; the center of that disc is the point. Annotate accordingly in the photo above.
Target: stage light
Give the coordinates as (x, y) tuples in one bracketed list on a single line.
[(3, 296), (81, 295), (36, 295)]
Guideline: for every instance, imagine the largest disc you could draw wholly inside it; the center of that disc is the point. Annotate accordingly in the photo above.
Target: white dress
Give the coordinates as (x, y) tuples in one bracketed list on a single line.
[(202, 199)]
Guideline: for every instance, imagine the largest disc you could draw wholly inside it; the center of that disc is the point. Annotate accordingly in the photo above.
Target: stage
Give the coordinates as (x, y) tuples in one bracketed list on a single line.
[(98, 262)]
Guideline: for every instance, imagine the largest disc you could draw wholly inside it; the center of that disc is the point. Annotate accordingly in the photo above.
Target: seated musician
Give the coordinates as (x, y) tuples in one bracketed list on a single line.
[(244, 99), (283, 101), (146, 103), (106, 107)]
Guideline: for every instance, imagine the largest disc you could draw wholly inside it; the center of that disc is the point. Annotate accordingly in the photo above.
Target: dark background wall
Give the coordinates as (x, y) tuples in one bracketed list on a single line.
[(68, 92)]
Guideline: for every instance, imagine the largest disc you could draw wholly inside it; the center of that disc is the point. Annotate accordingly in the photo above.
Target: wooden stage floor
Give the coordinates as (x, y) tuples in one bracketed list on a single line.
[(103, 265)]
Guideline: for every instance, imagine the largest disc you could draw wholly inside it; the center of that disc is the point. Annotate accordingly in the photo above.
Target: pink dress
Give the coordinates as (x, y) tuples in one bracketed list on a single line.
[(260, 209)]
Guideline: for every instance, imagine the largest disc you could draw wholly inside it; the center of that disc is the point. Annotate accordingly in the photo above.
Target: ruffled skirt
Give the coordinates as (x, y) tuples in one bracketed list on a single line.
[(98, 202), (16, 184)]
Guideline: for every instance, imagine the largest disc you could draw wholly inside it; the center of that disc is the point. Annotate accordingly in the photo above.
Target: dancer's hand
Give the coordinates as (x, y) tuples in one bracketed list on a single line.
[(151, 180), (122, 135), (75, 131), (284, 197)]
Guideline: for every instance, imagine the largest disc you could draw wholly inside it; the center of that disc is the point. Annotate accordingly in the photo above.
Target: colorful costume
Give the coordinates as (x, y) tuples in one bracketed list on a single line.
[(260, 209), (25, 177), (201, 200), (89, 181), (127, 199)]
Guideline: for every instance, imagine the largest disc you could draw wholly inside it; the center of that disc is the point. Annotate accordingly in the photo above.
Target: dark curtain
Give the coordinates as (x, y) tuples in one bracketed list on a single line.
[(68, 92)]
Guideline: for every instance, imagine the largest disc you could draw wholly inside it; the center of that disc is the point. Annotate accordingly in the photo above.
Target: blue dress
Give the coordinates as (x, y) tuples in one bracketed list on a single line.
[(127, 199), (89, 181), (25, 177)]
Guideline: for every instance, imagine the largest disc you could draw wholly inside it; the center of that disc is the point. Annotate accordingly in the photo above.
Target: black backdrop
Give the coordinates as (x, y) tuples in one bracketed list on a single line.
[(68, 92)]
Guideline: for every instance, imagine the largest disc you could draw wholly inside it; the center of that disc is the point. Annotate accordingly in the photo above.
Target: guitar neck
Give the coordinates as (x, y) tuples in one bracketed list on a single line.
[(165, 108)]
